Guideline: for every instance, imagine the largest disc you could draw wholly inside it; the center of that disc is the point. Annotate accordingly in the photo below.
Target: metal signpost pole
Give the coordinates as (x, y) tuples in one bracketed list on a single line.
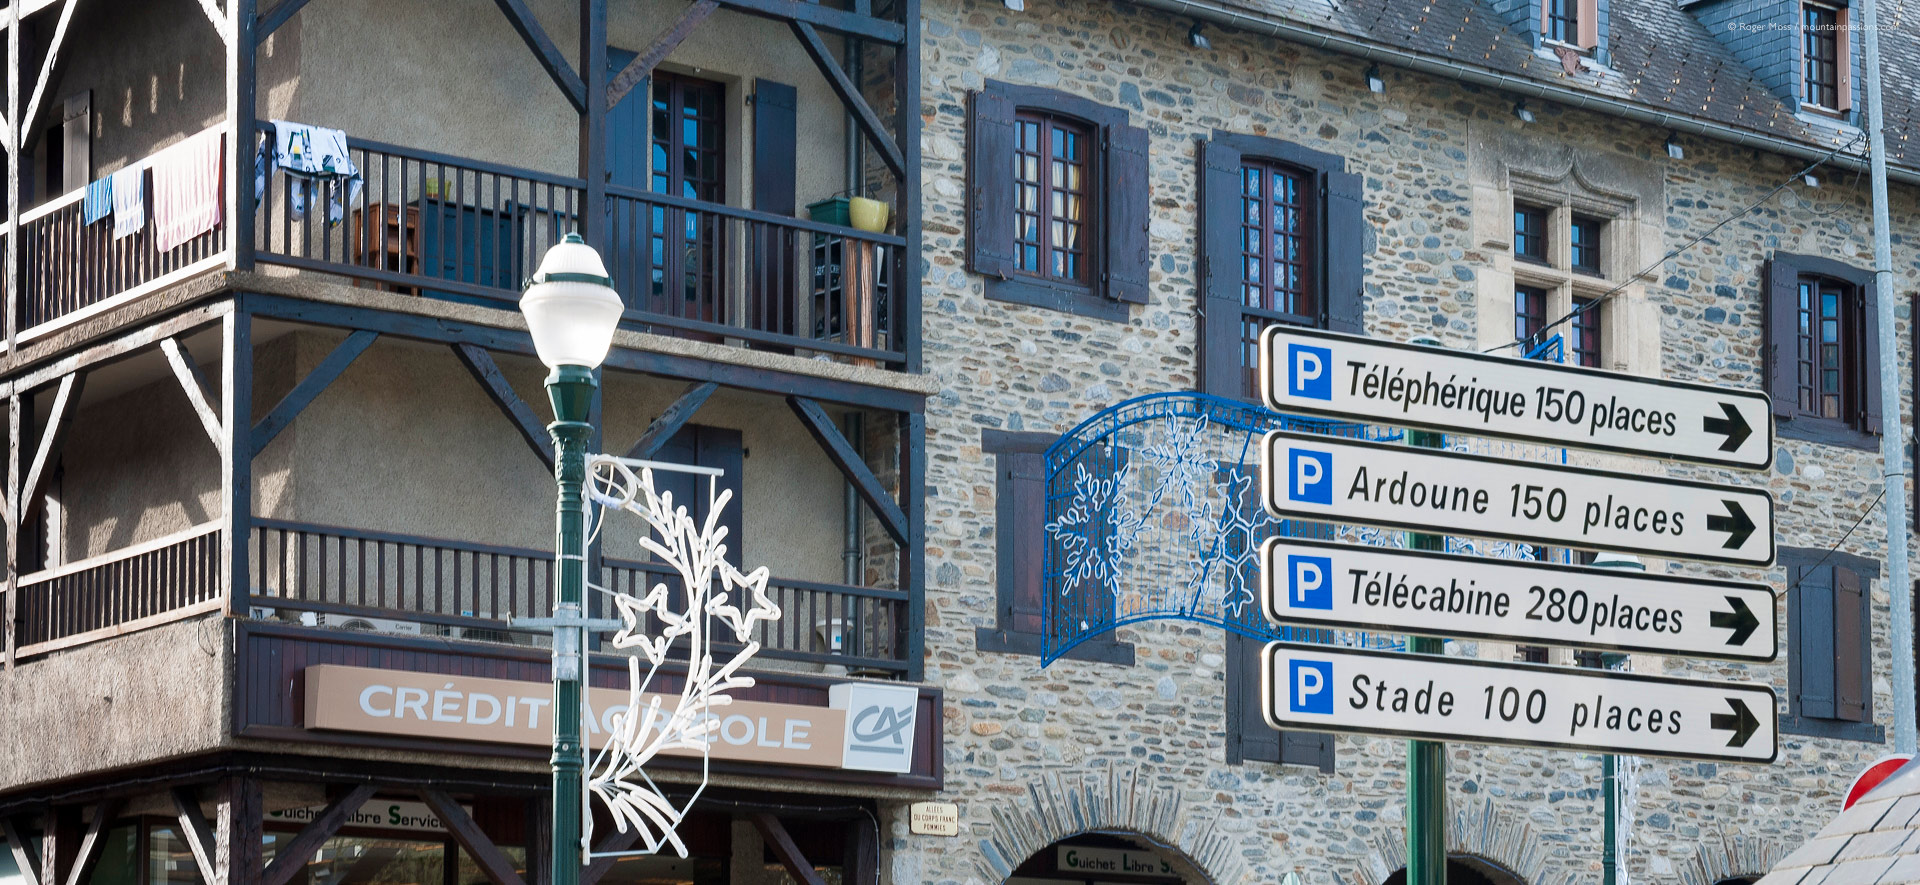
[(1893, 435), (1426, 760)]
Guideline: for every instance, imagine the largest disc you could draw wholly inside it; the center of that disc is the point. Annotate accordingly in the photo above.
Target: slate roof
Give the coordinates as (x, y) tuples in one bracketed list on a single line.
[(1661, 57), (1876, 841)]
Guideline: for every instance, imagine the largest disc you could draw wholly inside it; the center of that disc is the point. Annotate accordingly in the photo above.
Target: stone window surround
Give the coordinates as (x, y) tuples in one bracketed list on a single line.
[(1506, 169)]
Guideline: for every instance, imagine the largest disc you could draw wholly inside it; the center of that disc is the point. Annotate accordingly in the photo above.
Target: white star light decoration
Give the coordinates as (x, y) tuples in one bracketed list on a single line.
[(707, 601)]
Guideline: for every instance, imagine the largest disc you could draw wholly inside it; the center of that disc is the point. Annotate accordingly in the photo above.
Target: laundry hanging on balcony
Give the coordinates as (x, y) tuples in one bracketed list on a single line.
[(129, 187), (313, 157), (98, 202), (186, 190)]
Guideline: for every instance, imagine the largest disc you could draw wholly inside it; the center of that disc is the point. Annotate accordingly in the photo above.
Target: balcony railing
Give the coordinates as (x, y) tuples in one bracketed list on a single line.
[(354, 579), (70, 268), (438, 226), (171, 577)]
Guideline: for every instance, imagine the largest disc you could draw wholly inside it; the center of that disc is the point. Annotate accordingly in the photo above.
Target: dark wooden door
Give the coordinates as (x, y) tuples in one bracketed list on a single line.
[(688, 246)]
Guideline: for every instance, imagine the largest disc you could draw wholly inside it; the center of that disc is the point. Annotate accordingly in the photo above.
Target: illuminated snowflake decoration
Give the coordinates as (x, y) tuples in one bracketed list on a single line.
[(1095, 536), (711, 602)]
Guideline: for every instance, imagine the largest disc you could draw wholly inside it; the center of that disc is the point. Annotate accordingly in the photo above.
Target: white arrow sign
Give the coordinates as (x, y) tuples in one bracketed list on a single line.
[(1429, 697), (1324, 373), (1427, 490), (1347, 587)]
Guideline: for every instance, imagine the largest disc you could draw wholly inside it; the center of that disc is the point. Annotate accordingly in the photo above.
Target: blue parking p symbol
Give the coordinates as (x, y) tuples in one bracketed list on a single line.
[(1312, 581), (1310, 686), (1310, 371), (1310, 476)]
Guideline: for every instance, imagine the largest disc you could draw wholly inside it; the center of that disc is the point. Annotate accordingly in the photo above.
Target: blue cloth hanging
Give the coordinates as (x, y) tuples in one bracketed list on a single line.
[(99, 201)]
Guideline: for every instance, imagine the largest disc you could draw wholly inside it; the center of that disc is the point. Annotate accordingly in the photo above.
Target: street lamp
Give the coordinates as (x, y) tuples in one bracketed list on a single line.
[(571, 311)]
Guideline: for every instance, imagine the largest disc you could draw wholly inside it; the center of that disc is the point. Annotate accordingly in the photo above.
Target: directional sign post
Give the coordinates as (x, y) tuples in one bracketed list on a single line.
[(1349, 587), (1364, 379), (1428, 697), (1328, 480)]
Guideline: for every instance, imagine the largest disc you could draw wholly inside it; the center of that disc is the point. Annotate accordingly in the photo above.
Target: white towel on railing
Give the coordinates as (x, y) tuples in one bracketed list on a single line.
[(186, 190), (129, 200)]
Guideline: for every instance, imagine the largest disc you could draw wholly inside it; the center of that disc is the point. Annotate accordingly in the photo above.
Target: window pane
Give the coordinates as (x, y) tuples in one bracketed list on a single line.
[(169, 860)]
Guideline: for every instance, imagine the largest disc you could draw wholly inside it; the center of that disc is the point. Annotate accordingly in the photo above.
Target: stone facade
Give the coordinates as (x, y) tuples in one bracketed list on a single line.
[(1435, 156)]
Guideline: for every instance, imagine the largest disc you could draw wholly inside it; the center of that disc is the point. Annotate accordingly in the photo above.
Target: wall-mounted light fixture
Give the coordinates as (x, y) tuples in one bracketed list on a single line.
[(1196, 39), (1810, 179), (1521, 110), (1674, 149), (1374, 83)]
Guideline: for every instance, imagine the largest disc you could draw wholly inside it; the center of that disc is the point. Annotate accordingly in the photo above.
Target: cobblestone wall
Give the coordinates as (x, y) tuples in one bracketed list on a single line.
[(1015, 733)]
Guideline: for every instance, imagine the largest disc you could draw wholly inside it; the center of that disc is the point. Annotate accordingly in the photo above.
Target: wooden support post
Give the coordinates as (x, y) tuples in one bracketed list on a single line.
[(23, 857), (548, 55), (905, 296), (540, 842), (237, 849), (912, 635), (242, 103), (195, 830), (488, 373), (497, 867), (65, 403), (593, 123), (860, 860), (670, 421), (59, 843), (850, 96), (236, 457), (892, 518), (194, 384), (15, 275), (47, 65), (663, 45), (781, 843), (303, 394), (93, 841), (291, 859), (14, 450)]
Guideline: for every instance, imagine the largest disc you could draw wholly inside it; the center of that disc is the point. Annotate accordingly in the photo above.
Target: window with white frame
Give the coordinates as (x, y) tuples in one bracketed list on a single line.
[(1562, 263)]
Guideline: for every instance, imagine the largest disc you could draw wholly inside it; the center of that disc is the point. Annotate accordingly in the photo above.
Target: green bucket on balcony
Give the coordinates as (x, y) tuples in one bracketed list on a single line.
[(832, 210)]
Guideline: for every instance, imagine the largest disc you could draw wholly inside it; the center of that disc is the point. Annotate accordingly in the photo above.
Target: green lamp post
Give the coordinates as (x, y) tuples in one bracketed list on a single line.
[(572, 311)]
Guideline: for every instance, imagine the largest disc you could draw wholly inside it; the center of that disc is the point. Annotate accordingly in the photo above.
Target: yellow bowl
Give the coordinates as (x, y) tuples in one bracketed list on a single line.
[(868, 215)]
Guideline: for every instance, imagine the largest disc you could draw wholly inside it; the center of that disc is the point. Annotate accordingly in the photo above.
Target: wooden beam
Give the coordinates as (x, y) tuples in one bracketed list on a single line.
[(837, 448), (90, 845), (236, 460), (194, 384), (850, 96), (195, 829), (492, 862), (310, 387), (123, 347), (781, 843), (539, 829), (663, 45), (612, 842), (59, 843), (272, 19), (236, 857), (670, 421), (46, 68), (291, 859), (528, 27), (839, 21), (24, 859), (219, 19), (484, 370), (65, 403)]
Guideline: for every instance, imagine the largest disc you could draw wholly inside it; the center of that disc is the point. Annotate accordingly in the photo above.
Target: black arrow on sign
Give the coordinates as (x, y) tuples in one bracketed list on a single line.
[(1740, 620), (1736, 524), (1734, 427), (1740, 722)]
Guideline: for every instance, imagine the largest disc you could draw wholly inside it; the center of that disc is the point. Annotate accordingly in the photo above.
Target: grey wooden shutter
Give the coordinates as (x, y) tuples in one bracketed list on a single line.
[(1780, 297), (1127, 213), (1222, 350), (1851, 643), (76, 142), (627, 143), (1022, 512), (773, 296), (1249, 737), (1814, 658), (1345, 233), (705, 446), (1869, 302), (990, 185)]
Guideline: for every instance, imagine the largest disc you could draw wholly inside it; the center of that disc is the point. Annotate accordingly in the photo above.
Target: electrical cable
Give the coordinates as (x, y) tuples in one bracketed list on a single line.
[(1679, 250)]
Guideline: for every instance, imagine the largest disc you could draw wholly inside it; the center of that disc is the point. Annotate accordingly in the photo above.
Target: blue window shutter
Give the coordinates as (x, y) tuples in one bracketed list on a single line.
[(627, 143), (1814, 658)]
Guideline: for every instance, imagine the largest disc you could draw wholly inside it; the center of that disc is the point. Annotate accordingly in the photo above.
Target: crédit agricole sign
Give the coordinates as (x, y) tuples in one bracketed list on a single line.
[(467, 708)]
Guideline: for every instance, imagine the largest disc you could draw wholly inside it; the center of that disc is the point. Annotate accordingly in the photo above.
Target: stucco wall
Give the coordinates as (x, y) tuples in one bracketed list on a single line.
[(1011, 726)]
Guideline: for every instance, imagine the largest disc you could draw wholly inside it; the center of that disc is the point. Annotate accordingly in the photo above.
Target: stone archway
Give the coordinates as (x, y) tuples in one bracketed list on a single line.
[(1103, 856), (1731, 859), (1486, 838), (1119, 800), (1465, 869)]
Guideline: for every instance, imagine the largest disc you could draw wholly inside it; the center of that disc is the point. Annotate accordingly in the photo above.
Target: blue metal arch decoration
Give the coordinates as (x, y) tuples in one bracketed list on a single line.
[(1153, 512)]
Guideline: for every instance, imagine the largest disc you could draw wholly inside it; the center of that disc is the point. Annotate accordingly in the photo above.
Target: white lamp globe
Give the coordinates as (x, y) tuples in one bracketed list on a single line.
[(571, 307)]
